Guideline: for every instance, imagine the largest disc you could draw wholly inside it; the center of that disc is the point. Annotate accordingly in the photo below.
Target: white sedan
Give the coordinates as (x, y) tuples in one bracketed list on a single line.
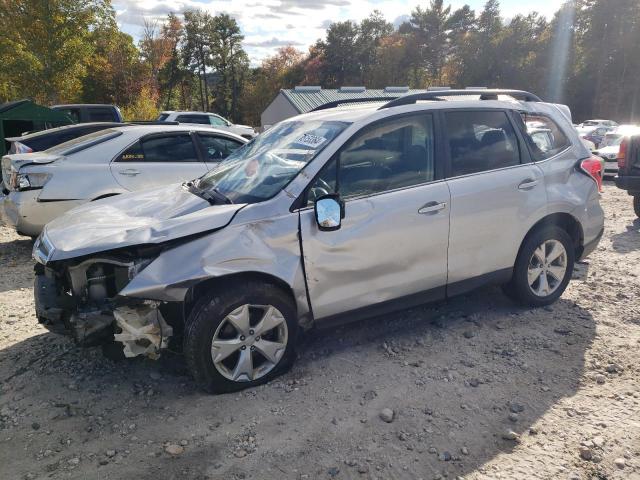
[(44, 185)]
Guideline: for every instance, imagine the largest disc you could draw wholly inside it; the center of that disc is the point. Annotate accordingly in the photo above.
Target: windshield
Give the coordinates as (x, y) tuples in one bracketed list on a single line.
[(264, 166)]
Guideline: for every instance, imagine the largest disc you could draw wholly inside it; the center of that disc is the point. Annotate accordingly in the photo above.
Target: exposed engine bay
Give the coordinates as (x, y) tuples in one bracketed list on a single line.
[(81, 297)]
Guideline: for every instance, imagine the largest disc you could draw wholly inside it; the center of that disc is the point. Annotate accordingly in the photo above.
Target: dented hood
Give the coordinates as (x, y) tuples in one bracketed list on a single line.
[(148, 217)]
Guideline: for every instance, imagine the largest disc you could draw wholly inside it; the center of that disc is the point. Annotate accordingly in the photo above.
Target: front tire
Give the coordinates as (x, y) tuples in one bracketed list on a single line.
[(240, 336), (543, 268), (636, 205)]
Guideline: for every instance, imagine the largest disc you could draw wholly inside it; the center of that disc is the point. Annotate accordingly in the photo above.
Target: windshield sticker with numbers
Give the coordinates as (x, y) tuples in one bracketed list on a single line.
[(310, 140)]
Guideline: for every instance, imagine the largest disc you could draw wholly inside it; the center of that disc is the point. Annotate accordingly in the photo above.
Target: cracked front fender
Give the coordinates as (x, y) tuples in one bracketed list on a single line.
[(269, 246)]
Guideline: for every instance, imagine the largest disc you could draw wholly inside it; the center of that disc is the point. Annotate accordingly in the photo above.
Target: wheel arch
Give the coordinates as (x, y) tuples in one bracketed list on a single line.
[(567, 222), (233, 280)]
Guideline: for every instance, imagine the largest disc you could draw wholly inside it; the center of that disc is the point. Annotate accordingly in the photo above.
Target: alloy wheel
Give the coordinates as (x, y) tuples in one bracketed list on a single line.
[(547, 268), (249, 342)]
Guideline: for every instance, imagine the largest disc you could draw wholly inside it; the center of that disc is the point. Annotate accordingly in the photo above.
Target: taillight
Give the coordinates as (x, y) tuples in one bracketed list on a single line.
[(22, 148), (592, 166), (622, 154)]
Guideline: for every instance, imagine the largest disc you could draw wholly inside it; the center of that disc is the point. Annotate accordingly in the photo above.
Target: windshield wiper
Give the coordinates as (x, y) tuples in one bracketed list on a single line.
[(198, 192), (213, 196), (221, 196)]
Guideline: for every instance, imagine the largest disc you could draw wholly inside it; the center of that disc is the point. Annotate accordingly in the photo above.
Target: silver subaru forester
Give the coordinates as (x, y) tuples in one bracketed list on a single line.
[(341, 213)]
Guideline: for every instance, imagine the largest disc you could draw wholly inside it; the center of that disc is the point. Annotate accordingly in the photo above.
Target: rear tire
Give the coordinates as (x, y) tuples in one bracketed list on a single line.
[(249, 329), (636, 205), (543, 268)]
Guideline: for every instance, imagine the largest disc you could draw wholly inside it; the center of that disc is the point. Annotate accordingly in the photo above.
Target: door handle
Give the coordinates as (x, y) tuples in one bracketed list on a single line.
[(129, 172), (432, 207), (527, 184)]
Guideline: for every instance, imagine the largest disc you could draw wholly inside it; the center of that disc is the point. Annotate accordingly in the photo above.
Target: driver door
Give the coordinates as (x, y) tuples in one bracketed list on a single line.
[(392, 243)]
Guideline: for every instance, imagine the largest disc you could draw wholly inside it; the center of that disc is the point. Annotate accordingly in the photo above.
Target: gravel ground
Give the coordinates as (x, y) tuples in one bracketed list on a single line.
[(475, 388)]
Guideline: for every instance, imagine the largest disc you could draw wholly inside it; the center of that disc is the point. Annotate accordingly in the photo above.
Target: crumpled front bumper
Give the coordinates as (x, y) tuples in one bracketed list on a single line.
[(137, 324), (58, 313), (50, 306)]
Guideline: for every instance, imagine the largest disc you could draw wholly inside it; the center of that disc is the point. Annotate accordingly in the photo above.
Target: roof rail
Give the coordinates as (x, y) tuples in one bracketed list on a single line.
[(342, 101), (485, 94)]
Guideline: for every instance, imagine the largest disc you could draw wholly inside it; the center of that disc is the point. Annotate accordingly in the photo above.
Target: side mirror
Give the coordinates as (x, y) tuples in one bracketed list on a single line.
[(329, 212)]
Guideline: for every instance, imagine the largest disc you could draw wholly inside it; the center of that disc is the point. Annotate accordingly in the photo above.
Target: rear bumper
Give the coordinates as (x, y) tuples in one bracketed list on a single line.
[(610, 166), (23, 211), (630, 183), (591, 246)]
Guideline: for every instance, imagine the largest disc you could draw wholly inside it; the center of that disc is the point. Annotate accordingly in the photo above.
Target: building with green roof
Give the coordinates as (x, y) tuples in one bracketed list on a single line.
[(302, 99)]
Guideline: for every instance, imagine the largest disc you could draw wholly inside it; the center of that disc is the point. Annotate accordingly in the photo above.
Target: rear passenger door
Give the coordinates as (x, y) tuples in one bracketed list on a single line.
[(158, 159), (497, 194)]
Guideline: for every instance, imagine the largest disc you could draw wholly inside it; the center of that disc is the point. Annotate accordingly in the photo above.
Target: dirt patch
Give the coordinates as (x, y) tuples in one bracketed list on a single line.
[(474, 388)]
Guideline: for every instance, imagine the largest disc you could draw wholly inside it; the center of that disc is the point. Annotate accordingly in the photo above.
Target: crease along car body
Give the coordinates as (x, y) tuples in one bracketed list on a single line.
[(330, 216)]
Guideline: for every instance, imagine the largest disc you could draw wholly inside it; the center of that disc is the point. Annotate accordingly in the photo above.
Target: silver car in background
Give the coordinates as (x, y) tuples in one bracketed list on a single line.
[(43, 185), (205, 118), (330, 216)]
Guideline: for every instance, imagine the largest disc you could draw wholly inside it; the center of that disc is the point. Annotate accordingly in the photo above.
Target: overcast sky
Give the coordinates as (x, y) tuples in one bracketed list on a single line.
[(269, 24)]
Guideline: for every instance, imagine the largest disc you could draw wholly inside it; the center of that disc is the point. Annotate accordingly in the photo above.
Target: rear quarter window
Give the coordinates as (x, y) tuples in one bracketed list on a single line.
[(544, 137)]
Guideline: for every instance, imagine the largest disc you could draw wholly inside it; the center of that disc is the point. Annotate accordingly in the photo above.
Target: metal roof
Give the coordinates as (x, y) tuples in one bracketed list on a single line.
[(305, 100)]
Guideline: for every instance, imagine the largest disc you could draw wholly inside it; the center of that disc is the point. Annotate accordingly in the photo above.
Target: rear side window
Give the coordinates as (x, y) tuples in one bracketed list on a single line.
[(161, 149), (162, 117), (480, 141), (200, 119), (543, 136)]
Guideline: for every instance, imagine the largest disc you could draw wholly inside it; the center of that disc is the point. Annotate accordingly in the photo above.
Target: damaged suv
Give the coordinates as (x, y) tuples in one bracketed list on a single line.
[(335, 215)]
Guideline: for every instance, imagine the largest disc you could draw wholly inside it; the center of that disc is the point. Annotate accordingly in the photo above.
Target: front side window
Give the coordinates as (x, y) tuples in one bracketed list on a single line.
[(199, 119), (543, 136), (388, 155), (264, 166), (161, 149), (217, 148), (480, 141), (72, 113), (217, 121)]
